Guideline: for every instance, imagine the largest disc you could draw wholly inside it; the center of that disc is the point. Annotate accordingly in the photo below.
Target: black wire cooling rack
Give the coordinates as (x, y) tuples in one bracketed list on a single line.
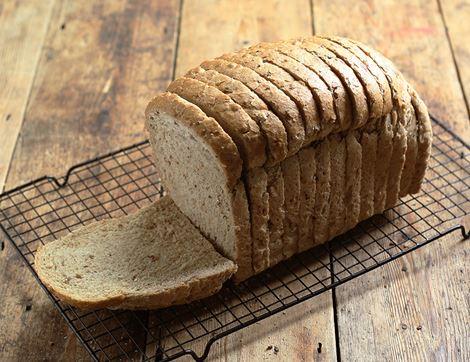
[(125, 180)]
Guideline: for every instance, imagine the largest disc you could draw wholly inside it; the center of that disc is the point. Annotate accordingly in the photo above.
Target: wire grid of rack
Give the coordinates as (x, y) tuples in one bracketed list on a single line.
[(123, 181)]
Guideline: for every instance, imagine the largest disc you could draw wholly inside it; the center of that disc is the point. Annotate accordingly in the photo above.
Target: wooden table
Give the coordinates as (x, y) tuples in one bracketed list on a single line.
[(75, 77)]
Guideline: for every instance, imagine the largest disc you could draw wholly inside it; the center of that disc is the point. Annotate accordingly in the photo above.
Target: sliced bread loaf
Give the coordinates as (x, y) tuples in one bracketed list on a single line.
[(151, 259)]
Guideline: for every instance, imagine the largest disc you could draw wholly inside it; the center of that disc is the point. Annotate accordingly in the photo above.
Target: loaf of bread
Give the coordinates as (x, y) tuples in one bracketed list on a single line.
[(265, 152), (279, 147)]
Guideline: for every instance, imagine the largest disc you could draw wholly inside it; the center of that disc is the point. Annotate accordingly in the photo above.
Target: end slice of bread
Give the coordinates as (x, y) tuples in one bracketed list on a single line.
[(151, 259)]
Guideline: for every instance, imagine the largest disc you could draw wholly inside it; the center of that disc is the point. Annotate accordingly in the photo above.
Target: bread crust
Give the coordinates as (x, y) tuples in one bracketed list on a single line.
[(373, 68), (280, 104), (424, 142), (291, 174), (338, 185), (231, 117), (344, 72), (352, 193), (308, 185), (257, 185), (277, 213), (323, 192), (50, 265), (341, 103), (397, 164), (243, 249), (369, 83), (384, 155), (295, 90), (269, 124), (368, 164), (322, 95)]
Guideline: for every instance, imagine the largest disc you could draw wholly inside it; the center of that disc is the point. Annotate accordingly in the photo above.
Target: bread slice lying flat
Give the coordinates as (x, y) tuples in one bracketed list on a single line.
[(151, 259)]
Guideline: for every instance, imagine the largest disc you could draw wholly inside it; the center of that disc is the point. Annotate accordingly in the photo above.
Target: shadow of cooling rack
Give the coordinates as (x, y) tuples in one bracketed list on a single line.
[(124, 181)]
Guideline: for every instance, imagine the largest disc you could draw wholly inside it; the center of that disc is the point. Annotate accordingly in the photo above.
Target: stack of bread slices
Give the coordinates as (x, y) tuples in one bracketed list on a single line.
[(283, 146), (265, 152)]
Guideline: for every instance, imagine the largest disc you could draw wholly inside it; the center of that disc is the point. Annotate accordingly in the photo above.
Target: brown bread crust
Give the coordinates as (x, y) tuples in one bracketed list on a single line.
[(280, 104), (269, 124), (231, 117), (345, 73)]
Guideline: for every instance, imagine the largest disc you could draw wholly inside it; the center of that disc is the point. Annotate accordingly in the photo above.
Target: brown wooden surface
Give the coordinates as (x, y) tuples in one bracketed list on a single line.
[(75, 78)]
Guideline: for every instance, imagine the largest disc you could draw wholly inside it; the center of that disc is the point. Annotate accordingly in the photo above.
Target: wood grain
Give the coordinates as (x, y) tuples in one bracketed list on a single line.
[(455, 16), (413, 308), (208, 29), (101, 63), (23, 26), (211, 28)]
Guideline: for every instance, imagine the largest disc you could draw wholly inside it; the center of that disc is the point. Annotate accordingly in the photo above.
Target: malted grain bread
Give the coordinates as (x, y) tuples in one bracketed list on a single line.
[(265, 152), (152, 259)]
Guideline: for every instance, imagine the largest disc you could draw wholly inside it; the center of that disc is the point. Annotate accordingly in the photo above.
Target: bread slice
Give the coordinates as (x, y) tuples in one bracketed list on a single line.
[(345, 73), (231, 117), (258, 197), (323, 96), (373, 68), (384, 155), (291, 174), (402, 105), (281, 105), (277, 213), (341, 102), (295, 90), (369, 83), (321, 211), (352, 193), (368, 166), (269, 124), (201, 168), (154, 258), (398, 86), (338, 184), (397, 163), (308, 185)]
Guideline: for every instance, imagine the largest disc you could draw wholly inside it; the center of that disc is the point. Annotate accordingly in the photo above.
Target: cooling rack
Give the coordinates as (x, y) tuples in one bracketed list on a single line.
[(123, 181)]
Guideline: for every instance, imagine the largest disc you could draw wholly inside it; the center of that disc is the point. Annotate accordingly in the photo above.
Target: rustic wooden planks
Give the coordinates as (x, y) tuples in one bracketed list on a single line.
[(208, 29), (455, 15), (413, 308), (102, 62), (100, 65), (23, 27)]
